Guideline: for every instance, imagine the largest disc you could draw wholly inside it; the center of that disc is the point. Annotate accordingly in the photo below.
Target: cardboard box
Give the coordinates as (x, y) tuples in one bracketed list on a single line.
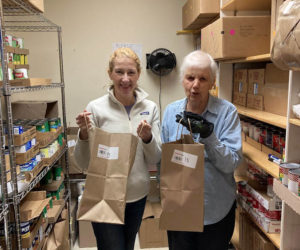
[(37, 4), (240, 98), (240, 80), (237, 36), (261, 242), (86, 234), (198, 13), (32, 205), (276, 90), (150, 235), (34, 109), (255, 101), (256, 81)]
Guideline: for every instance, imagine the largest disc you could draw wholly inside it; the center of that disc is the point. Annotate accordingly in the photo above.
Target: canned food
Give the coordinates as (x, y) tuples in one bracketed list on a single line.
[(25, 229), (273, 215), (293, 181), (269, 137), (18, 129), (21, 73), (263, 135), (8, 40), (44, 152), (276, 140), (281, 141), (284, 171), (57, 172)]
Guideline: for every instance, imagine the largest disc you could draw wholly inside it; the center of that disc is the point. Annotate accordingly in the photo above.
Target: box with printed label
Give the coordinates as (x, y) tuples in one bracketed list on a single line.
[(240, 80)]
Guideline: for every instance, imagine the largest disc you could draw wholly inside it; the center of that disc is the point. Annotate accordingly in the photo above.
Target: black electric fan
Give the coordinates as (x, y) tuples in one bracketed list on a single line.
[(161, 61)]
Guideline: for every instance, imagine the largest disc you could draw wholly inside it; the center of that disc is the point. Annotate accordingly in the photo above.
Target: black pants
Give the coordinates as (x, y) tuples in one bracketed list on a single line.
[(121, 237), (214, 237)]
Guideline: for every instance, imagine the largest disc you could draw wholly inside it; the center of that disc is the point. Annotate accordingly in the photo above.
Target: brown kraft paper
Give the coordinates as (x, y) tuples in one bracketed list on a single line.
[(111, 158), (182, 185)]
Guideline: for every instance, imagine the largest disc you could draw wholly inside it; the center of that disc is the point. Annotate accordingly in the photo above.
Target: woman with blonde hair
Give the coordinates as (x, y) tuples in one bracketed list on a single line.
[(124, 109)]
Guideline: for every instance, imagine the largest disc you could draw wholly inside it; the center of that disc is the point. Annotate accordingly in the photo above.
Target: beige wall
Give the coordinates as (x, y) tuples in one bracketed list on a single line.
[(89, 29)]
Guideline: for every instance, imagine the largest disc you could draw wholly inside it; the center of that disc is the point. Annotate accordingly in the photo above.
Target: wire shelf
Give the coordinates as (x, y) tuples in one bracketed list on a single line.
[(36, 88), (38, 178), (19, 15)]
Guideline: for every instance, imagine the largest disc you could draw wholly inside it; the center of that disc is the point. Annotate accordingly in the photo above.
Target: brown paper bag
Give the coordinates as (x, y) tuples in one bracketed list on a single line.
[(111, 158), (182, 185), (59, 237)]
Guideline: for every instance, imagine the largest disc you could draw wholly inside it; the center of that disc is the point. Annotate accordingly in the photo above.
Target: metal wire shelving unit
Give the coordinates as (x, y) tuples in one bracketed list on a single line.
[(21, 16)]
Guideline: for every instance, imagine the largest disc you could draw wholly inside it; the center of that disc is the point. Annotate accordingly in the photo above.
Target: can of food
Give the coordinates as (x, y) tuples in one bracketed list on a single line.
[(57, 172), (273, 215), (276, 140), (21, 73), (60, 139), (25, 230), (10, 74), (8, 40), (269, 139), (44, 152), (20, 42), (281, 141), (263, 135), (293, 182), (48, 195), (22, 59), (18, 129), (257, 131), (284, 171), (14, 41)]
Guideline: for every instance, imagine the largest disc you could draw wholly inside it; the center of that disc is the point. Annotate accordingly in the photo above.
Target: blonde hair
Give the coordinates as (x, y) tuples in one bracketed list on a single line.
[(124, 52)]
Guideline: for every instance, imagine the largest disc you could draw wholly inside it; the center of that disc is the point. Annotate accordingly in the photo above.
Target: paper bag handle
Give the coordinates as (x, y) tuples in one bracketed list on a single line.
[(179, 123)]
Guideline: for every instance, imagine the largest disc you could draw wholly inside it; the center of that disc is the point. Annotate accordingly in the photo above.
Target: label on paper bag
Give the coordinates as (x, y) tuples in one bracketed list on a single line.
[(109, 153), (185, 159)]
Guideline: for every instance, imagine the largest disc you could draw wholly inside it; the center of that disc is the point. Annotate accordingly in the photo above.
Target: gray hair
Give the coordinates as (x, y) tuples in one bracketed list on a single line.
[(197, 59)]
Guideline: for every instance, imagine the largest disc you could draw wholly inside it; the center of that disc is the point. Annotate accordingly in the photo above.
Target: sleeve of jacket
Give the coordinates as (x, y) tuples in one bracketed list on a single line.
[(225, 152), (152, 150), (82, 149)]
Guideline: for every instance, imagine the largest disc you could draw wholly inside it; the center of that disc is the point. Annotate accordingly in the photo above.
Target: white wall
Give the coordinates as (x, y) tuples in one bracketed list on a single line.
[(89, 29)]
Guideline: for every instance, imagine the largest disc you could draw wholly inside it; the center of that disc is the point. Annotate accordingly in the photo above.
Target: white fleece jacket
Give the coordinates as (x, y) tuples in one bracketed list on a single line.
[(111, 116)]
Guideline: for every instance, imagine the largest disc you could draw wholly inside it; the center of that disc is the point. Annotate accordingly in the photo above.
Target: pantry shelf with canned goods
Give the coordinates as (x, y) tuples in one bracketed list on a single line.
[(261, 159), (240, 5), (275, 238), (273, 119)]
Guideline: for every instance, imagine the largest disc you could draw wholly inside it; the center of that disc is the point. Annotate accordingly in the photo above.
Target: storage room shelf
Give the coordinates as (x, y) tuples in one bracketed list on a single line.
[(285, 194), (276, 120), (261, 159), (257, 58), (275, 238), (295, 121), (35, 88), (253, 5), (40, 176)]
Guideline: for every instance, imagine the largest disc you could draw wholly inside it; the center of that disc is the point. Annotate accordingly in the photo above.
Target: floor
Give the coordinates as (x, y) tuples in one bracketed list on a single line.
[(136, 247)]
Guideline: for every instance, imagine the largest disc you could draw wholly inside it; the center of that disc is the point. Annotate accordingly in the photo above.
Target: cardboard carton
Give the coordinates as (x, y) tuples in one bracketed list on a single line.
[(256, 81), (255, 101), (198, 13), (240, 80), (37, 4), (34, 109), (240, 98), (150, 235), (237, 36), (276, 90)]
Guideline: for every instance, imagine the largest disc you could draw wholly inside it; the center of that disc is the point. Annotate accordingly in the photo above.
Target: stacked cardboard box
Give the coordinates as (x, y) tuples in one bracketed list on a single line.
[(240, 86), (256, 83)]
